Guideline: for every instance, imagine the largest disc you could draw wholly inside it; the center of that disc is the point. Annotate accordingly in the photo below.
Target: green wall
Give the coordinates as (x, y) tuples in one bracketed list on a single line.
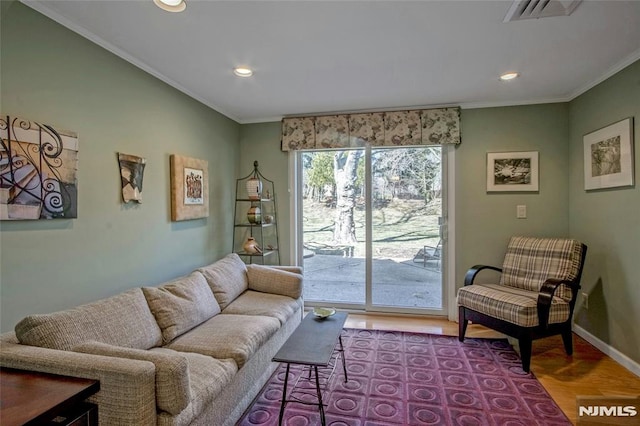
[(608, 221), (485, 221), (54, 76)]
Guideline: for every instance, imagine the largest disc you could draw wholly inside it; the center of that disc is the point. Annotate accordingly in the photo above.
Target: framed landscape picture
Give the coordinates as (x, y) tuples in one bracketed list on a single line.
[(512, 171), (608, 156), (189, 188)]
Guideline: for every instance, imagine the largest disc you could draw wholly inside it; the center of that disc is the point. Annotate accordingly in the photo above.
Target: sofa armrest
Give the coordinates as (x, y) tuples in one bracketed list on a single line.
[(172, 372), (127, 387), (276, 281), (294, 269)]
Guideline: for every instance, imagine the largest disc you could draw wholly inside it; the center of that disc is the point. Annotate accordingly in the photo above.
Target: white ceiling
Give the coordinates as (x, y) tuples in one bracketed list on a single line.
[(313, 57)]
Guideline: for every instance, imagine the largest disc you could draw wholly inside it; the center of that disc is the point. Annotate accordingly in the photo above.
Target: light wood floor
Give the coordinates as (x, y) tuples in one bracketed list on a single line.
[(587, 372)]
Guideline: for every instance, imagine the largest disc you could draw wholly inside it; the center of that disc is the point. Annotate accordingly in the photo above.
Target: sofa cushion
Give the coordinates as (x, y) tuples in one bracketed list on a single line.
[(227, 278), (514, 305), (228, 336), (182, 304), (276, 281), (172, 373), (267, 304), (121, 320)]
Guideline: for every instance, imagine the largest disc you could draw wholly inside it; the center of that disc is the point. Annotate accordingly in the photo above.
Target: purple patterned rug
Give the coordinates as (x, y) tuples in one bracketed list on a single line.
[(399, 378)]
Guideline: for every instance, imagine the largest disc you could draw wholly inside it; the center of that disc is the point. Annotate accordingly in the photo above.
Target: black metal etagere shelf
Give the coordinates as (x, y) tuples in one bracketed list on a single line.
[(255, 216)]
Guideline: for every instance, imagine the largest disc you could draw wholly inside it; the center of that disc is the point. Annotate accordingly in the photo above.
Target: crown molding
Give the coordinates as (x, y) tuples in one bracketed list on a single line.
[(635, 56), (40, 7), (478, 105)]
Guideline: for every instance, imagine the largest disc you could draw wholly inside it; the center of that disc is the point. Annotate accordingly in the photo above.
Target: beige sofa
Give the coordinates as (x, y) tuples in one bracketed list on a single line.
[(196, 350)]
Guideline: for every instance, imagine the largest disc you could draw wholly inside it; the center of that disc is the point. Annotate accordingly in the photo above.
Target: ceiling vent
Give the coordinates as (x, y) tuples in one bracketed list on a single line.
[(530, 9)]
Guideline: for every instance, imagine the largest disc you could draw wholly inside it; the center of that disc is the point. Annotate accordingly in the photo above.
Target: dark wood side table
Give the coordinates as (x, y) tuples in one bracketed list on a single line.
[(31, 398)]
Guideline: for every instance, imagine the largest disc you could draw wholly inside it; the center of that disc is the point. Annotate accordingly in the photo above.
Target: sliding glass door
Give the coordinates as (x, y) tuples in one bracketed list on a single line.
[(370, 232), (333, 232), (406, 206)]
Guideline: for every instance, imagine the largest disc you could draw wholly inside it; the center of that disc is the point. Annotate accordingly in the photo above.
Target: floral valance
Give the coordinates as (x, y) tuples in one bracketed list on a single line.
[(396, 128)]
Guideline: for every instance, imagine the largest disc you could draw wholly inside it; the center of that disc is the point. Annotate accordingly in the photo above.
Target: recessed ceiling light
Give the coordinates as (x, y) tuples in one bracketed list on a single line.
[(171, 5), (243, 72), (509, 76)]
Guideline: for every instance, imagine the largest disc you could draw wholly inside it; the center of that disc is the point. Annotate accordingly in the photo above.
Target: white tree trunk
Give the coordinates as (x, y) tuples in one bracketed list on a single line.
[(345, 174)]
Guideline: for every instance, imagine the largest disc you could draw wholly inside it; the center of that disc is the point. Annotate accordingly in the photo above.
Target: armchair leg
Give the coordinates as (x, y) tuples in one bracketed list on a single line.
[(525, 352), (462, 324), (567, 339)]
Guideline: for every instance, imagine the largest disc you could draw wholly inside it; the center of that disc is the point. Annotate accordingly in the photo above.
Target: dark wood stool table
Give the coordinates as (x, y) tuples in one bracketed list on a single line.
[(31, 398), (312, 344)]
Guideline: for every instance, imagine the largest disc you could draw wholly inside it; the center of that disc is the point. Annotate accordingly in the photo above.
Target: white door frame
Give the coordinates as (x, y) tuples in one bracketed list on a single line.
[(448, 231)]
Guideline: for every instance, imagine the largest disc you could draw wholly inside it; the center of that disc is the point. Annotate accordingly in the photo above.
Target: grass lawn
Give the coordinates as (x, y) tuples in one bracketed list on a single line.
[(400, 227)]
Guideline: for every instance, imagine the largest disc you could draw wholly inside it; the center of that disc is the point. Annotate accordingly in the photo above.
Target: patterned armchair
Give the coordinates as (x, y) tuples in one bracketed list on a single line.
[(536, 294)]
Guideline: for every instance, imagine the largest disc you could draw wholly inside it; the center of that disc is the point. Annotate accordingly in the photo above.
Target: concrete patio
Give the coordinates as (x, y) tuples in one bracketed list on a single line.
[(398, 283)]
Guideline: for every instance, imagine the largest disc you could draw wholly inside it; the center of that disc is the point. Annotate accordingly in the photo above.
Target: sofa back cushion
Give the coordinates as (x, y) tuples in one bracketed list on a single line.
[(227, 278), (530, 261), (121, 320), (172, 374), (181, 304)]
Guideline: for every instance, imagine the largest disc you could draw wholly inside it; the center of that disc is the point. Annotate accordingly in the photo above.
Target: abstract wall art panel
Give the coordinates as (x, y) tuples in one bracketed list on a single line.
[(131, 174), (38, 171)]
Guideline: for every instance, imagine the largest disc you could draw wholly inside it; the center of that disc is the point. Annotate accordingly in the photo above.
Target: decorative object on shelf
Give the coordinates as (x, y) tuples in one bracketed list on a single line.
[(608, 156), (512, 171), (38, 167), (254, 184), (254, 214), (189, 188), (251, 246), (255, 217), (131, 173)]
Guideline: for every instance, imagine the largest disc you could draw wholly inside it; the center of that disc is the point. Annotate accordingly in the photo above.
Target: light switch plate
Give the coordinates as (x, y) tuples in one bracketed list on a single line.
[(521, 211)]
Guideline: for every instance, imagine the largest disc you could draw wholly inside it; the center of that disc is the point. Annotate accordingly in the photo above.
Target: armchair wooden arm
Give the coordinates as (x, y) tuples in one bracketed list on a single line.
[(473, 271), (545, 296)]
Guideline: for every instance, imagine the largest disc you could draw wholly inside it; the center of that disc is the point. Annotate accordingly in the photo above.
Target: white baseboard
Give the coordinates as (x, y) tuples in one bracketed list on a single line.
[(605, 348)]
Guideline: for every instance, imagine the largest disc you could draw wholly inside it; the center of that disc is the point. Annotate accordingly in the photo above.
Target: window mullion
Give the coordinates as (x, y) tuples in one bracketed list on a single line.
[(368, 189)]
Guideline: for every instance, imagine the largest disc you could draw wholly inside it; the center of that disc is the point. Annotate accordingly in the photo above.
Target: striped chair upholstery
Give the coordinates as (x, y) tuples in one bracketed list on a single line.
[(535, 295)]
